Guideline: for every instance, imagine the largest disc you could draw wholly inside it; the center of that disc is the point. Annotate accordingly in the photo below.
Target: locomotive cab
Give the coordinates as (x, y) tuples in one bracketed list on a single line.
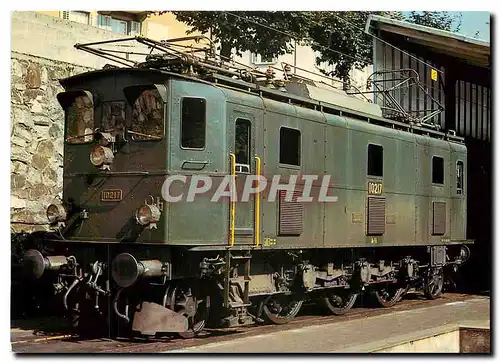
[(125, 132)]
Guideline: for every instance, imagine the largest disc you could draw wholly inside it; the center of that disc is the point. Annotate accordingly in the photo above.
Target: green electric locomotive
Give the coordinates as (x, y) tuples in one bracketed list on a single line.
[(197, 192)]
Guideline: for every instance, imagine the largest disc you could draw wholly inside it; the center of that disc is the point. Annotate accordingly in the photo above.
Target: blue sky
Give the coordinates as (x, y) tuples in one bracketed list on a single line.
[(472, 22)]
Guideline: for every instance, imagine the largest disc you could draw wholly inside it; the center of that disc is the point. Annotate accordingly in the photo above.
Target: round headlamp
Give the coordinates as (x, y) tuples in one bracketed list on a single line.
[(147, 214), (56, 213), (100, 155)]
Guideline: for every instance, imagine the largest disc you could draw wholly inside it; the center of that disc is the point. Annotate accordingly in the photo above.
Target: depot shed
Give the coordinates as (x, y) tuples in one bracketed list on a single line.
[(456, 70)]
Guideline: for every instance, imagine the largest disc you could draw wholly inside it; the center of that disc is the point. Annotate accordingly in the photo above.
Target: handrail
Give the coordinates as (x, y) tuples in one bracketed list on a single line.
[(232, 199), (257, 203)]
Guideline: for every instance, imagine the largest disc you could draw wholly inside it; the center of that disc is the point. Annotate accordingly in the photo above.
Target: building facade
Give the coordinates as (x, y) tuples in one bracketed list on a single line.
[(164, 26)]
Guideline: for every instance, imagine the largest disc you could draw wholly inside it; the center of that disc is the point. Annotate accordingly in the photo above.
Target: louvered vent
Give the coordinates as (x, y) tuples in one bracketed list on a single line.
[(439, 218), (290, 215), (375, 216)]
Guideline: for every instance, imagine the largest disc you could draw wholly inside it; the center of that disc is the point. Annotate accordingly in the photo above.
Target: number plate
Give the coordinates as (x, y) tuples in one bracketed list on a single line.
[(374, 188), (111, 195)]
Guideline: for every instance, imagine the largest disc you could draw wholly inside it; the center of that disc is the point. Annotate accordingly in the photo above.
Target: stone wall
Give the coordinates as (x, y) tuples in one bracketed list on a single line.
[(37, 122), (42, 52)]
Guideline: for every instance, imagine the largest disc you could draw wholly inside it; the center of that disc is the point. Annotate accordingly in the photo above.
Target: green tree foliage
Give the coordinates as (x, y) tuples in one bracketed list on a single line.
[(338, 37), (243, 34), (435, 19)]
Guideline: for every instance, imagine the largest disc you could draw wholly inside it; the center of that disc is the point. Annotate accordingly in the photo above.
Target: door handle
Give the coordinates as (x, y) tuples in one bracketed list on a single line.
[(193, 164)]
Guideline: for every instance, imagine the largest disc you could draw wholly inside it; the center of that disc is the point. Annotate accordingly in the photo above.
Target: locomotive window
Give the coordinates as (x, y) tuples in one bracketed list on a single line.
[(437, 170), (193, 123), (147, 115), (375, 160), (289, 146), (242, 141), (79, 110), (113, 116), (460, 177)]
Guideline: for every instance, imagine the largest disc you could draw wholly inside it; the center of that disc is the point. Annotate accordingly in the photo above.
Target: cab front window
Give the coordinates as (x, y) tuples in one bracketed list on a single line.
[(79, 114), (148, 112), (113, 116)]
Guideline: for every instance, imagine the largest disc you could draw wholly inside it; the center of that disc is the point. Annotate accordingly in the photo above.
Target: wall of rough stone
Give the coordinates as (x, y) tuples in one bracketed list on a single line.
[(37, 122), (42, 52)]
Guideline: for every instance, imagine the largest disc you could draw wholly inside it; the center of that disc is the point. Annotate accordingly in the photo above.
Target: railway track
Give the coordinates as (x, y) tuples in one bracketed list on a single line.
[(33, 341)]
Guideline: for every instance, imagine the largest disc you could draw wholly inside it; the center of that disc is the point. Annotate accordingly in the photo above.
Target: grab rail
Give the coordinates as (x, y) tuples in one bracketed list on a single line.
[(232, 199), (257, 203)]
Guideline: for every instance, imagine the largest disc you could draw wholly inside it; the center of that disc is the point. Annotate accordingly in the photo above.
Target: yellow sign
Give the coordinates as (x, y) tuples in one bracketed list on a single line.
[(434, 75), (269, 241), (111, 195), (375, 188)]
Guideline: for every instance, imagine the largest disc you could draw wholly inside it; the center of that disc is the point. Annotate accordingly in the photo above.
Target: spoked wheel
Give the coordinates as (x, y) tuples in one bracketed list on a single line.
[(433, 283), (340, 302), (389, 295), (281, 309), (183, 300)]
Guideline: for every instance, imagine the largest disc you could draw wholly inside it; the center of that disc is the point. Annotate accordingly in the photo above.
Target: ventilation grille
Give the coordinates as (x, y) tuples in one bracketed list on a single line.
[(376, 216), (439, 218), (290, 215)]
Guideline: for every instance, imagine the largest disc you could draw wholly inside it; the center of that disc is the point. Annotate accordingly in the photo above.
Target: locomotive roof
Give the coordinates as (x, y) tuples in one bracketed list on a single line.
[(74, 80), (184, 65)]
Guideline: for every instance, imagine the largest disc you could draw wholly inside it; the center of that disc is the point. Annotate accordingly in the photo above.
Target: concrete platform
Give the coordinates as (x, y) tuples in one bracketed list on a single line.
[(384, 333)]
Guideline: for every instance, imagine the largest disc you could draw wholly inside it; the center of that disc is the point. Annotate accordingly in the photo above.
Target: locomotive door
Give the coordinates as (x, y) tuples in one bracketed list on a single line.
[(242, 123)]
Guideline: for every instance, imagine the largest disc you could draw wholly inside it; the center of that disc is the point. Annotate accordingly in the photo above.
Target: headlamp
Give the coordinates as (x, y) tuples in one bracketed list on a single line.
[(56, 213), (101, 155), (146, 214)]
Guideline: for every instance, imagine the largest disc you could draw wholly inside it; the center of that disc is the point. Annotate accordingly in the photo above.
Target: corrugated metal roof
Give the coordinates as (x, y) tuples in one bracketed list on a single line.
[(441, 41)]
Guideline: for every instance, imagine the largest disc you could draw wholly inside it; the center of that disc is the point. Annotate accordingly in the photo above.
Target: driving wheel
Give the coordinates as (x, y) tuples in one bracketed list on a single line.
[(183, 300), (389, 295), (433, 284), (340, 302), (281, 309)]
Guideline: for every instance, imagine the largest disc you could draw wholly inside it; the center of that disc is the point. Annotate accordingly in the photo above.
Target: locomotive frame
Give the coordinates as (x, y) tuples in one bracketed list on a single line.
[(123, 254)]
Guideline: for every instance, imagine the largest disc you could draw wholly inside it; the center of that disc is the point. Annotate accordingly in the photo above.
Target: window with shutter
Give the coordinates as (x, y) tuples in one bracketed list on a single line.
[(260, 59), (104, 22), (81, 17), (135, 28)]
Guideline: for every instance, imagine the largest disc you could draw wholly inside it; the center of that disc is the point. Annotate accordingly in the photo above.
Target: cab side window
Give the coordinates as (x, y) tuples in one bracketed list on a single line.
[(242, 141), (437, 170), (375, 165), (193, 123), (289, 146), (460, 177)]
